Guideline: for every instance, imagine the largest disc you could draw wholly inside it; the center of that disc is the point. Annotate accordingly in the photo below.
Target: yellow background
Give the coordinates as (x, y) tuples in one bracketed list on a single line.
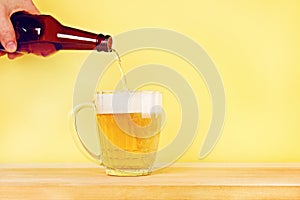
[(254, 44)]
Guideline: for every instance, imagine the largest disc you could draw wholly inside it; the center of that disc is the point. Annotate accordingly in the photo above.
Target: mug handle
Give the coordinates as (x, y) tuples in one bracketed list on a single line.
[(94, 157)]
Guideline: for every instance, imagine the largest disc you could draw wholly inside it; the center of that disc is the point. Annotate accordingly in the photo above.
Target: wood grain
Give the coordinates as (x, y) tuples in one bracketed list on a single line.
[(181, 181)]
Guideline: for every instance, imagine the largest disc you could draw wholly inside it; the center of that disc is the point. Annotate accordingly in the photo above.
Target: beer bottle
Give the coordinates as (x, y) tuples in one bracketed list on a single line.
[(43, 35)]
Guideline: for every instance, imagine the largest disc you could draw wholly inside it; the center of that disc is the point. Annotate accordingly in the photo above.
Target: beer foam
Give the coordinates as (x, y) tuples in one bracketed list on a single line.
[(145, 102)]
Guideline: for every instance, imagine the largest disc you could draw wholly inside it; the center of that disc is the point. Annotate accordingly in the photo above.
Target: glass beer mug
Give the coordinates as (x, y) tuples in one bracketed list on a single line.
[(128, 125)]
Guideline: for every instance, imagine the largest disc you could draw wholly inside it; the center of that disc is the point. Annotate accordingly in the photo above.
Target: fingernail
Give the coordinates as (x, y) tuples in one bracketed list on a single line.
[(11, 46)]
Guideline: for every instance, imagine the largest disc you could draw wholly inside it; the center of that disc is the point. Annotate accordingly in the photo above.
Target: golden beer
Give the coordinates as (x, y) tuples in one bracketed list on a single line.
[(129, 140)]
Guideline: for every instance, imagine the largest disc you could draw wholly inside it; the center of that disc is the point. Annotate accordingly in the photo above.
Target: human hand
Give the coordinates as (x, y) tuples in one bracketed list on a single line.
[(7, 33)]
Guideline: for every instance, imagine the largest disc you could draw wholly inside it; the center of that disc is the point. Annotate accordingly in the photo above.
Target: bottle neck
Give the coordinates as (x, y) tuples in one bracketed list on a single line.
[(70, 38)]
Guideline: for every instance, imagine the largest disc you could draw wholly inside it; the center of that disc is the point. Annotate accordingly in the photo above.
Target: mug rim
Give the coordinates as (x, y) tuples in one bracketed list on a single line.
[(104, 92)]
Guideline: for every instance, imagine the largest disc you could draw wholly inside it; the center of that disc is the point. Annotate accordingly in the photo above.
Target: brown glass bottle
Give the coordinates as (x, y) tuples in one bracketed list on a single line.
[(44, 35)]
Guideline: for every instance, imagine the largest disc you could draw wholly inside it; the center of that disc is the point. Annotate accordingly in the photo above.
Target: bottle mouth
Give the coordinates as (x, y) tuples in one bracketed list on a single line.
[(109, 44), (105, 44)]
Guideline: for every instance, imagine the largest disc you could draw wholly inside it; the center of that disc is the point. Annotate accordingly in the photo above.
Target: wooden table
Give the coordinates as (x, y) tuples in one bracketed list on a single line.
[(181, 181)]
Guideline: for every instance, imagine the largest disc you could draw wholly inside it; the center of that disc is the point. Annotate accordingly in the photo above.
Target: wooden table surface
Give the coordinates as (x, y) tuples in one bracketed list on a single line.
[(180, 181)]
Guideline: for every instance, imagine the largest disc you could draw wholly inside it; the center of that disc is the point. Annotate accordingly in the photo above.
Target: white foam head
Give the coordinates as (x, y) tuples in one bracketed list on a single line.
[(123, 101)]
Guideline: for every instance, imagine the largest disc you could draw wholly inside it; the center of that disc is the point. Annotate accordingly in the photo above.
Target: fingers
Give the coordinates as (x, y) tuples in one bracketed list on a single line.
[(32, 8), (25, 5), (7, 33)]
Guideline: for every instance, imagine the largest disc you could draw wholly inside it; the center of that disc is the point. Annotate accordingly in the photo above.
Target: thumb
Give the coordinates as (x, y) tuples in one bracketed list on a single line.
[(28, 7), (7, 35)]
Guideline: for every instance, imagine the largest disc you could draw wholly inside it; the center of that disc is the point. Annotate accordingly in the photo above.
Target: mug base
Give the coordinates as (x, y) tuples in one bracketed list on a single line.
[(127, 172)]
